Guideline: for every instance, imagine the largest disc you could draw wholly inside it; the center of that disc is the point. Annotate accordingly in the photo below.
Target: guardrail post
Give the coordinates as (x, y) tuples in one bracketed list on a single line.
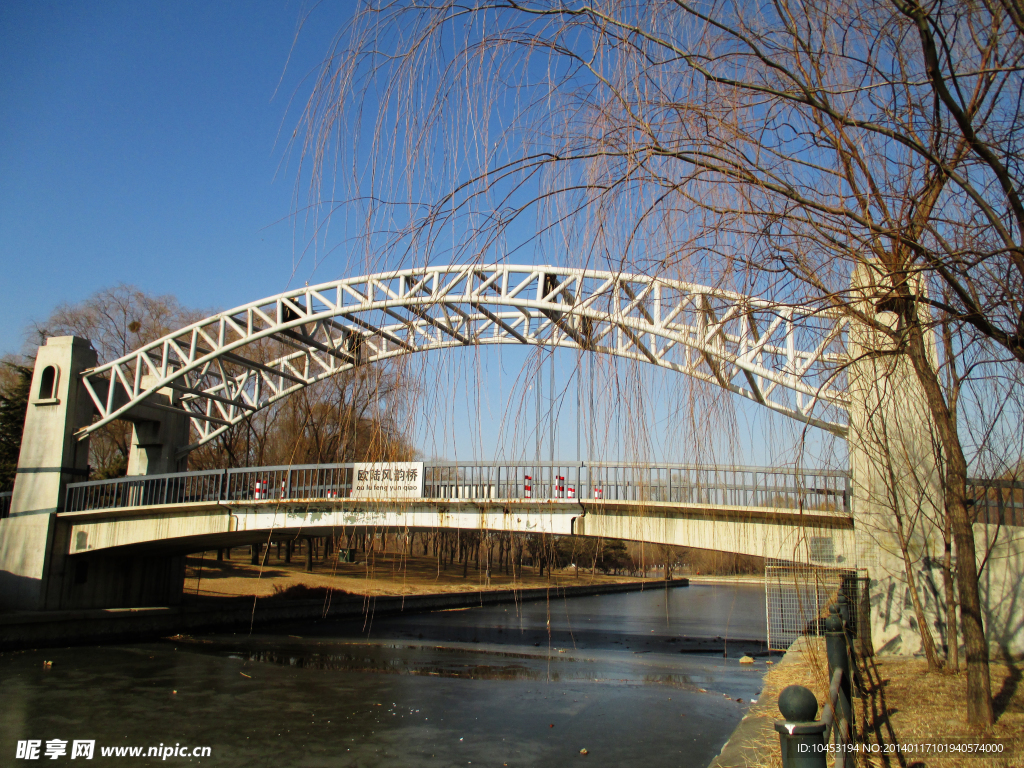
[(844, 609), (801, 737), (837, 650), (838, 653)]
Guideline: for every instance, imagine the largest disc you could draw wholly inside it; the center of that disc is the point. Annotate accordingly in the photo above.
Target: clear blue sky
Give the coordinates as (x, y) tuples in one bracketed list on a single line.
[(146, 143), (139, 143)]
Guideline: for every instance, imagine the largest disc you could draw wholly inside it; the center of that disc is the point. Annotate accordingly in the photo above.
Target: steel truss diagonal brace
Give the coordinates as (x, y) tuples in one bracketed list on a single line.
[(789, 359)]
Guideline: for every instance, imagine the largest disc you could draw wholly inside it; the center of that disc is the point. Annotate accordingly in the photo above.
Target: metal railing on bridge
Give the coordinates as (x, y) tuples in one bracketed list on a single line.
[(542, 481), (994, 501), (997, 502), (672, 483), (145, 490)]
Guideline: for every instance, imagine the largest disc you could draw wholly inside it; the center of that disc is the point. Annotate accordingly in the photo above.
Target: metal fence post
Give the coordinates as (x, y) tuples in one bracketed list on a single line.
[(844, 609), (801, 737), (838, 653)]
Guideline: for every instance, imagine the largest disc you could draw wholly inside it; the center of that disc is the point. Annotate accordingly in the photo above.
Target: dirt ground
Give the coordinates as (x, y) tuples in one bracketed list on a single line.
[(384, 574), (903, 705)]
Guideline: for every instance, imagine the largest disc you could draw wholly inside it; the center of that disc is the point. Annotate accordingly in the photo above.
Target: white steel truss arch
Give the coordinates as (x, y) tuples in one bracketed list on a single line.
[(786, 358)]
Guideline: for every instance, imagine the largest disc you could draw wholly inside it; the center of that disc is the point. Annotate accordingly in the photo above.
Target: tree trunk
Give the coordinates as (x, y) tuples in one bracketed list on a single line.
[(979, 686), (952, 637), (309, 555)]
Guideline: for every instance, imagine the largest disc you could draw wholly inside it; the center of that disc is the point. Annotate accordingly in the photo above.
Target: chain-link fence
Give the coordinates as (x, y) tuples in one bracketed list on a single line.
[(797, 597)]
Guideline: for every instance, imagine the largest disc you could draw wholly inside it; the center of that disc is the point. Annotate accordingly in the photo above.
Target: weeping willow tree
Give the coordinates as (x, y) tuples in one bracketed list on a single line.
[(772, 149)]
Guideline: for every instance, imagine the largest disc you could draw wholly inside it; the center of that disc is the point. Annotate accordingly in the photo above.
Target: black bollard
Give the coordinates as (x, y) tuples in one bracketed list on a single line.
[(801, 737)]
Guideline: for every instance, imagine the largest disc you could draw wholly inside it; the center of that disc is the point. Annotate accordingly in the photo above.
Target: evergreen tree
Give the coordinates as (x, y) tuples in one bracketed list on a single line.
[(13, 405), (614, 557)]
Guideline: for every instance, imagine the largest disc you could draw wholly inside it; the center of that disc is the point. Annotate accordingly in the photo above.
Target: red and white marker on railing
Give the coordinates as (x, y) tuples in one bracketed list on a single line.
[(559, 487), (598, 493), (572, 492), (258, 491), (527, 488)]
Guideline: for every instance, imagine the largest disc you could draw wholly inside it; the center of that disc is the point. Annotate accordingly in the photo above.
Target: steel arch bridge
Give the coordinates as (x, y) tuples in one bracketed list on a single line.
[(789, 359)]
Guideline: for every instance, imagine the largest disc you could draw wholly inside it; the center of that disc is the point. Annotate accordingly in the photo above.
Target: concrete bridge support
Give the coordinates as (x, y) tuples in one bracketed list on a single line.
[(157, 442), (31, 542), (36, 571), (898, 507)]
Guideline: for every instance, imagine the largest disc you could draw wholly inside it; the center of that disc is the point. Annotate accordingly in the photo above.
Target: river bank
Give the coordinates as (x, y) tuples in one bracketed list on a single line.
[(382, 573), (83, 627)]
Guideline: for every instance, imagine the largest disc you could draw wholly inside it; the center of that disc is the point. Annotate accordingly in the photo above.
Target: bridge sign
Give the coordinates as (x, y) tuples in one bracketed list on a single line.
[(387, 480)]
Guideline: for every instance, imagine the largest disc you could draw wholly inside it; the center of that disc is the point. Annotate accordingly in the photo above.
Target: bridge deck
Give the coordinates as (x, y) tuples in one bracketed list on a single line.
[(785, 514)]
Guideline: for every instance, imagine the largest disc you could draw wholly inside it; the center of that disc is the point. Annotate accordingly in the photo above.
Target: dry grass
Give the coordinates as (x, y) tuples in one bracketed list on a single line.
[(905, 705), (805, 665), (910, 706)]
